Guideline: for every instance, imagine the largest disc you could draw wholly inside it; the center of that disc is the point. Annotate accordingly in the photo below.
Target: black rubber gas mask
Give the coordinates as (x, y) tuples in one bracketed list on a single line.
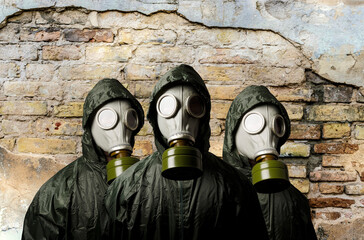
[(179, 112), (112, 130), (257, 138)]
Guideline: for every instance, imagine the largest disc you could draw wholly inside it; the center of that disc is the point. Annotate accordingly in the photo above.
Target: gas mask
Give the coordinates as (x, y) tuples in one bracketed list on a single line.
[(257, 138), (179, 112), (112, 130)]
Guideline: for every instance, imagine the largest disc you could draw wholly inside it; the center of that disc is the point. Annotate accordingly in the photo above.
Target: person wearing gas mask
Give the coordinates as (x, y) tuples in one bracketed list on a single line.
[(70, 204), (182, 191), (257, 125)]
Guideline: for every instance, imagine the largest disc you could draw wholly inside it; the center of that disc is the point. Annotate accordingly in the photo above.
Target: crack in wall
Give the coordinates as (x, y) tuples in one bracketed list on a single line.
[(265, 8), (296, 45), (355, 61)]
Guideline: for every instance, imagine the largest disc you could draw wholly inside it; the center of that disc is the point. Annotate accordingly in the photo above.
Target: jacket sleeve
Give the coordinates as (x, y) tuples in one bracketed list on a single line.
[(310, 230), (255, 225), (41, 224), (250, 222), (47, 215), (302, 214), (287, 215), (114, 208)]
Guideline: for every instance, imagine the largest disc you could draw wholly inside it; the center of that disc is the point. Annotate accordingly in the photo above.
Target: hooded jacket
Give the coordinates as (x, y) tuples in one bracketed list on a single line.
[(286, 213), (70, 204), (219, 204)]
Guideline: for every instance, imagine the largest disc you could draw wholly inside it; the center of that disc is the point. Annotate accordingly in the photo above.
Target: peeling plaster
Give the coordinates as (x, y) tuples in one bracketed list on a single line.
[(15, 193), (319, 26)]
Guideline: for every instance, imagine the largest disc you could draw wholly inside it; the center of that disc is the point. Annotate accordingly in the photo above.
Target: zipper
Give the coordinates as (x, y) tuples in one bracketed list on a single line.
[(181, 224), (271, 213)]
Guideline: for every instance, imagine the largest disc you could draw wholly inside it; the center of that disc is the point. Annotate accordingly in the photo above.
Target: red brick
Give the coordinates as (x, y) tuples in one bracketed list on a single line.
[(40, 35), (332, 176), (336, 148), (305, 131), (331, 202), (89, 35), (47, 36), (59, 53)]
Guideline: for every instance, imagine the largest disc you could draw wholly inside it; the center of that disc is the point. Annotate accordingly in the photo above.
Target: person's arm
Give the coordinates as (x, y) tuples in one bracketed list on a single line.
[(42, 220)]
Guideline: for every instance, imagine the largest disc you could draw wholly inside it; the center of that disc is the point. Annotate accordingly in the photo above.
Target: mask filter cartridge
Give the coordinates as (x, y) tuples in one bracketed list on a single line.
[(269, 175), (181, 162)]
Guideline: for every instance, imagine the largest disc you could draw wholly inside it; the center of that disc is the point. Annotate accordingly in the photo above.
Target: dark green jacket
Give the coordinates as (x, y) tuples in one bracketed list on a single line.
[(221, 204), (70, 204), (286, 213)]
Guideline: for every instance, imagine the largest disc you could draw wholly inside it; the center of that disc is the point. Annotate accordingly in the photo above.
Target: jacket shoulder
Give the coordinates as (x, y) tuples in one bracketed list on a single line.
[(126, 186), (222, 167), (56, 191), (46, 215), (133, 176), (65, 175), (236, 184)]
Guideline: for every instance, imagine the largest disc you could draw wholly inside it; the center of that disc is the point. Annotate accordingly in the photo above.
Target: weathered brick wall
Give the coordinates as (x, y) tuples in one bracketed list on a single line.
[(51, 58)]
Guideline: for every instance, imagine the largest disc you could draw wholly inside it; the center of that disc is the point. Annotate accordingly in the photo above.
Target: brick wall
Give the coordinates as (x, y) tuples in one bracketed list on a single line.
[(51, 58)]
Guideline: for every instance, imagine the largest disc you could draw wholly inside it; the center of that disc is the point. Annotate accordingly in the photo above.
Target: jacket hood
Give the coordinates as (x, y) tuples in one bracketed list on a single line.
[(248, 99), (181, 75), (104, 91)]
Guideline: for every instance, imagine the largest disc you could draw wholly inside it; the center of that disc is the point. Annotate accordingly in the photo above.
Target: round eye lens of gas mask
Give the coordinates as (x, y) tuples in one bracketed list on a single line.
[(167, 105), (253, 122), (107, 118), (131, 119), (195, 106), (278, 126)]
